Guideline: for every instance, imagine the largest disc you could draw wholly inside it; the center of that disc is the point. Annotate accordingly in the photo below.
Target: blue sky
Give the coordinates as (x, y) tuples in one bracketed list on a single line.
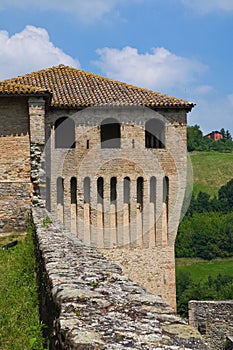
[(178, 47)]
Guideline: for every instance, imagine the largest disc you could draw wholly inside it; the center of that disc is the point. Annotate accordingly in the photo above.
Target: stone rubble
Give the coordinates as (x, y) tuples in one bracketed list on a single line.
[(87, 303)]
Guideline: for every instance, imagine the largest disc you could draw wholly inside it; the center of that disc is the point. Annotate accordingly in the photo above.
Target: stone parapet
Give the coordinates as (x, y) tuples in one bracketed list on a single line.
[(87, 303), (214, 320)]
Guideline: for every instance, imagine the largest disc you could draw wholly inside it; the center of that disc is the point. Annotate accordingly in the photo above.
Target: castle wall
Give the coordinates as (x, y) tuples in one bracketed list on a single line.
[(123, 229), (87, 303), (15, 184), (214, 320)]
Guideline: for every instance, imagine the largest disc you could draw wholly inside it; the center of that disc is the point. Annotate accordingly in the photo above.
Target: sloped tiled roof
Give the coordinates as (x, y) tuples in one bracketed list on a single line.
[(11, 88), (73, 88)]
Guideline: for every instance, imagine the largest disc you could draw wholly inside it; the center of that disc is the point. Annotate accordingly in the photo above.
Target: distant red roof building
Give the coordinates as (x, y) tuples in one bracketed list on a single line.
[(214, 135)]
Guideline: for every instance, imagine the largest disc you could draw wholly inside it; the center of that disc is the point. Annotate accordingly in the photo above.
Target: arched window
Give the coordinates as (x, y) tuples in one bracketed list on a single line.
[(113, 189), (100, 190), (64, 133), (140, 190), (87, 189), (73, 190), (166, 192), (110, 133), (154, 134), (60, 190), (127, 190), (152, 189)]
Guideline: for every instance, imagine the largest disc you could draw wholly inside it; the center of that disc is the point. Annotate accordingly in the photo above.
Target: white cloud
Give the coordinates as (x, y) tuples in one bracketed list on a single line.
[(158, 70), (28, 51), (85, 10), (212, 113), (206, 6)]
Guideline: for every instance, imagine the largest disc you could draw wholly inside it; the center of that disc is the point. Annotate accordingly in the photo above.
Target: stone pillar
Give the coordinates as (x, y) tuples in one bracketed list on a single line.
[(36, 107), (158, 211)]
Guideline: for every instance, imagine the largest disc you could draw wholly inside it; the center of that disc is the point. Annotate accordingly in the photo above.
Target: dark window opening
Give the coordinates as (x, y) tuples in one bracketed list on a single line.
[(60, 190), (110, 133), (154, 134), (100, 190), (127, 190), (64, 133), (166, 192), (113, 189), (165, 189), (140, 190), (88, 144), (73, 190), (152, 189), (87, 190)]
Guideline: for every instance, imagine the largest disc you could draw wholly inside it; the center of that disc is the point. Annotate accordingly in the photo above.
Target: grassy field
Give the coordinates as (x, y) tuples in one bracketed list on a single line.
[(201, 269), (20, 328), (211, 170)]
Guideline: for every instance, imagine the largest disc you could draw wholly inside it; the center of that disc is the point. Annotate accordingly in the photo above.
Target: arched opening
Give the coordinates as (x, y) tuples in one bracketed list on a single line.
[(73, 190), (154, 134), (64, 133), (113, 189), (166, 193), (87, 189), (60, 190), (110, 133), (140, 190), (152, 189), (100, 190), (127, 190)]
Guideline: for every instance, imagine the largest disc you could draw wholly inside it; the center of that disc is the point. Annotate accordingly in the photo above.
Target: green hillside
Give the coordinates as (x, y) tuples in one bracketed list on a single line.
[(201, 269), (211, 170)]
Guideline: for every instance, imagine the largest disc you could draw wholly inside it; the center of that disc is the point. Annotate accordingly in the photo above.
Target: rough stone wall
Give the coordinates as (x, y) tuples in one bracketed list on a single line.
[(88, 304), (37, 143), (214, 319), (152, 268), (15, 184), (130, 227)]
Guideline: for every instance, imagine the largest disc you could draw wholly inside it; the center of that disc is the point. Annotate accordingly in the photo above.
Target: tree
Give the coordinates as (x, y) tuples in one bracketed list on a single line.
[(225, 196), (194, 137), (223, 132), (228, 135)]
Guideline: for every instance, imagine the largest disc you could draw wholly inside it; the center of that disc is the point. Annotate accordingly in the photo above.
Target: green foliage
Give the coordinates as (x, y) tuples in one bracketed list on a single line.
[(211, 170), (197, 142), (207, 285), (46, 221), (206, 236), (225, 196), (20, 328), (207, 229), (194, 138)]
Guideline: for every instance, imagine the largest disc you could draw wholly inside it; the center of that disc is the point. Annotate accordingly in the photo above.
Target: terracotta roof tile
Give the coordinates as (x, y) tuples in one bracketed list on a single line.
[(73, 88), (11, 88)]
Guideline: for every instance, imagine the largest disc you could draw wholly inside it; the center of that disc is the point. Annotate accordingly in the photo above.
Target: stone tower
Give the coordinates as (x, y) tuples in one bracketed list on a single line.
[(108, 159)]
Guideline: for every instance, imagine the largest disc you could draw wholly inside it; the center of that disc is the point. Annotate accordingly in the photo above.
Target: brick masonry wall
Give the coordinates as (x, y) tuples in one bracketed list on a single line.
[(132, 160), (14, 164), (87, 303), (214, 319), (14, 206)]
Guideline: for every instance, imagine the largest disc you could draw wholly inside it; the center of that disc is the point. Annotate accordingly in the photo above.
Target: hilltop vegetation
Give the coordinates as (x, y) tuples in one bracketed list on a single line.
[(197, 142), (206, 232), (202, 280), (211, 170)]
